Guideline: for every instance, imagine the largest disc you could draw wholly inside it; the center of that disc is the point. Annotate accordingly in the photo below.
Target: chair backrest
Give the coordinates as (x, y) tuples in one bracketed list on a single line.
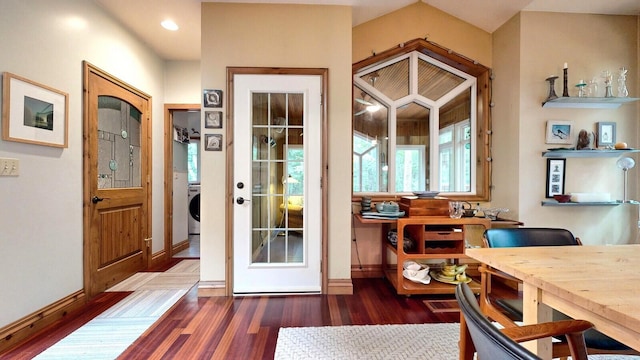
[(490, 343), (515, 237)]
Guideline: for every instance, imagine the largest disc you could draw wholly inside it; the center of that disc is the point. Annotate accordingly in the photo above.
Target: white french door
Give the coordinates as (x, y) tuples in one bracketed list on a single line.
[(277, 177)]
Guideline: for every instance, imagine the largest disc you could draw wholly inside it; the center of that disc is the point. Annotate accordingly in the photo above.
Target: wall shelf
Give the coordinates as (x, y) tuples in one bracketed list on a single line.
[(551, 202), (588, 102), (566, 153), (555, 203)]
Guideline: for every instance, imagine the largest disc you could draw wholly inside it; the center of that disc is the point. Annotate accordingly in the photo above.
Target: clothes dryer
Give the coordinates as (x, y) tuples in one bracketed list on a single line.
[(194, 209)]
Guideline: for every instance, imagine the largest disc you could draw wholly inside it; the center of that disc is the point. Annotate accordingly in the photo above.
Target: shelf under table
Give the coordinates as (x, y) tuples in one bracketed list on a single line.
[(409, 287)]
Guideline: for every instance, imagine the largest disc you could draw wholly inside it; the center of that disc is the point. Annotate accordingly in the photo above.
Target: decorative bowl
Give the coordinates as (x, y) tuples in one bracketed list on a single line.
[(562, 198), (469, 212), (492, 213)]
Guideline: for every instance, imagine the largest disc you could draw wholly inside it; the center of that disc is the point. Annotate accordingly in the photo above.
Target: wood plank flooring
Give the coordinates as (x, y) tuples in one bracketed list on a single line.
[(245, 327)]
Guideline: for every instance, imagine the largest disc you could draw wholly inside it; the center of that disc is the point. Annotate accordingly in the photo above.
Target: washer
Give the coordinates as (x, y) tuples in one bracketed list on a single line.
[(194, 209)]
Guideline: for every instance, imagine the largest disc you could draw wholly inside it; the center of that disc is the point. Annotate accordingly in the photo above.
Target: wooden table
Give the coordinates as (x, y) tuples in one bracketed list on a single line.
[(599, 284)]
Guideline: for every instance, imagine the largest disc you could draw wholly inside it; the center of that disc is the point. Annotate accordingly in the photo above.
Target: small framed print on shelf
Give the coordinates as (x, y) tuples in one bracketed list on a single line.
[(555, 176), (560, 132), (606, 133)]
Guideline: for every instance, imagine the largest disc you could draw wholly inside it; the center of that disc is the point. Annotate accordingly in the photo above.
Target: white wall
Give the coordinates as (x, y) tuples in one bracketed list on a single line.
[(41, 256)]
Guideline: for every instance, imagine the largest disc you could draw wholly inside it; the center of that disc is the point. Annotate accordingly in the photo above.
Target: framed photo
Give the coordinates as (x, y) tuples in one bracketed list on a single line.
[(213, 98), (34, 113), (606, 133), (213, 142), (555, 176), (213, 119), (560, 132)]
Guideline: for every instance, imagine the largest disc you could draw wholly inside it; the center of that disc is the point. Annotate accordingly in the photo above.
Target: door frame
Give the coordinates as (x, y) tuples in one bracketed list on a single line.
[(169, 109), (88, 274), (231, 72)]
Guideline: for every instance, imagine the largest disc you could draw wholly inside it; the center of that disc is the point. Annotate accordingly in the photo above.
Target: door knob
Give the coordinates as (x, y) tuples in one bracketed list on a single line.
[(96, 199), (240, 200)]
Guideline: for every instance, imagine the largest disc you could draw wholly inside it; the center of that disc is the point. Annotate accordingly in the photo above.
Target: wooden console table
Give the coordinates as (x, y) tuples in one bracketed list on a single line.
[(432, 242)]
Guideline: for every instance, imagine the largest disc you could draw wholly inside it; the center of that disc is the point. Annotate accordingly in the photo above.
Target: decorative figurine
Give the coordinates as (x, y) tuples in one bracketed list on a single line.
[(585, 139), (552, 88), (606, 75), (622, 85)]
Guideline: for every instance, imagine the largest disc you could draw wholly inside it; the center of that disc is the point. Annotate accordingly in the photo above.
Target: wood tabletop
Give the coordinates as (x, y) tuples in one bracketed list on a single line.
[(598, 283)]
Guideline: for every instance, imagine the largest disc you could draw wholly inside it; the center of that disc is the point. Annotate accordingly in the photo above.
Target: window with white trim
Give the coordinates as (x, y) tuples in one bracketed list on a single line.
[(414, 127)]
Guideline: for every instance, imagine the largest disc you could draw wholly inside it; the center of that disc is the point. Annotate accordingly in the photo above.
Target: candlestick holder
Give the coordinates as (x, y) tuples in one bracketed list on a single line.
[(565, 91), (552, 88)]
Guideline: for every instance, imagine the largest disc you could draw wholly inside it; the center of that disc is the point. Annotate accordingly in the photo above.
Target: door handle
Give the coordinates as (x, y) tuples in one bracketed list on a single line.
[(240, 200), (95, 199)]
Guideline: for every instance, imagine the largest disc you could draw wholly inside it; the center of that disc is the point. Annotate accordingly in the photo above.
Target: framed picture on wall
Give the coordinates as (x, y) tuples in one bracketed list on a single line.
[(213, 98), (560, 132), (213, 119), (213, 142), (33, 113), (555, 176), (606, 133)]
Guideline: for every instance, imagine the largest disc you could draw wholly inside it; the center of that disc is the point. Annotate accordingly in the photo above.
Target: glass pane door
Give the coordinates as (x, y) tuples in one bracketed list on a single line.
[(277, 178)]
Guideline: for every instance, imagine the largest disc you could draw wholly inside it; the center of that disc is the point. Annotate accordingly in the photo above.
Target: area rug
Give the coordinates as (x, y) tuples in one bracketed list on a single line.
[(411, 341)]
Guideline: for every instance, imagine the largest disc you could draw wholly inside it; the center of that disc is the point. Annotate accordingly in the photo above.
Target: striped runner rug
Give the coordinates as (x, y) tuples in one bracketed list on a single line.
[(110, 333)]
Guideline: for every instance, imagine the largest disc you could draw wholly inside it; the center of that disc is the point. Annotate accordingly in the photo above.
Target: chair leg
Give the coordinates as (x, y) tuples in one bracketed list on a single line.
[(577, 346), (467, 349)]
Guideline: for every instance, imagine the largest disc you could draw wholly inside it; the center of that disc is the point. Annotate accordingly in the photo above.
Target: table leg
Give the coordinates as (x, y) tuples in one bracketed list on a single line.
[(535, 312)]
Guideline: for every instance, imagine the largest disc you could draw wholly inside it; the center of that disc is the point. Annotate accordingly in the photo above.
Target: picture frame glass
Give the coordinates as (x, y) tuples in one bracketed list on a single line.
[(555, 177), (560, 132), (606, 133), (33, 113)]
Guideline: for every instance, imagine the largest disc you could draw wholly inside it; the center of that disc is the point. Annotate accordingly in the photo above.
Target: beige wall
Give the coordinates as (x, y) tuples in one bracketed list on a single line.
[(258, 35), (420, 20), (589, 44), (505, 149)]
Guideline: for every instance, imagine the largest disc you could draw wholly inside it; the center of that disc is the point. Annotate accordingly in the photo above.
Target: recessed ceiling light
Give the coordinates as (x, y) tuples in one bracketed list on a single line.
[(169, 25)]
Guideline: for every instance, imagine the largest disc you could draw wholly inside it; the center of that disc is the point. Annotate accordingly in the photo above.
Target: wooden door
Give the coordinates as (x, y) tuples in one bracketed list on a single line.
[(117, 189)]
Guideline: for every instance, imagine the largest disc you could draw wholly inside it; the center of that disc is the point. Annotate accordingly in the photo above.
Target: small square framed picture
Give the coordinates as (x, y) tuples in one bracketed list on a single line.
[(555, 177), (213, 142), (213, 119), (606, 133), (212, 98), (560, 132)]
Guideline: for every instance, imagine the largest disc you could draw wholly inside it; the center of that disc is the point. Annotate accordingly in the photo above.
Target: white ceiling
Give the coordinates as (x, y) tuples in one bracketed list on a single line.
[(184, 44)]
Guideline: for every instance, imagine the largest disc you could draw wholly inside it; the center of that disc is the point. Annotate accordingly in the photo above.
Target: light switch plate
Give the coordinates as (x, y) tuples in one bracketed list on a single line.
[(9, 167)]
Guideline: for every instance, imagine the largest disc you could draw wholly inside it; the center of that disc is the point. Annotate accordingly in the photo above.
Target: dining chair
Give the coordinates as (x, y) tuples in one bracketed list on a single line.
[(508, 311), (493, 343)]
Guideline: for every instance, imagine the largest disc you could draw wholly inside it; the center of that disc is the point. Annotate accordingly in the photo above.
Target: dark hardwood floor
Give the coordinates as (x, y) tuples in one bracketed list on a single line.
[(247, 327)]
